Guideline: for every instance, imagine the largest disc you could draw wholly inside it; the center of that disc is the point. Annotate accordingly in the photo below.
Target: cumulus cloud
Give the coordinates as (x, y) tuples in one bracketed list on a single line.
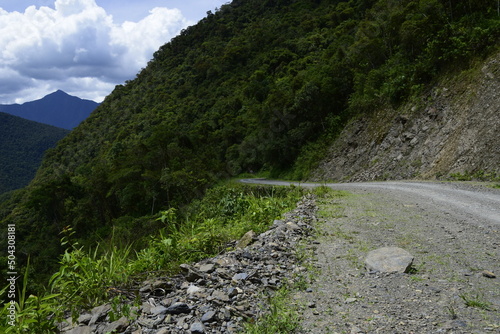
[(76, 47)]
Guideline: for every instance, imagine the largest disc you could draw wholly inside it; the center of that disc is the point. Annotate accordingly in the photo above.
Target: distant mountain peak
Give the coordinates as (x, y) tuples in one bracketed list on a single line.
[(59, 92), (58, 109)]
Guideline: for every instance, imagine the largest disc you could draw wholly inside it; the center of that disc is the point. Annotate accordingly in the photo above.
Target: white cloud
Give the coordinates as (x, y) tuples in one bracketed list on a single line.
[(77, 43)]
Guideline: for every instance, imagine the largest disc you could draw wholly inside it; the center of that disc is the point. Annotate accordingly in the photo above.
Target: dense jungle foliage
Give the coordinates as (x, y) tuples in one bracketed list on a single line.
[(259, 85), (22, 144)]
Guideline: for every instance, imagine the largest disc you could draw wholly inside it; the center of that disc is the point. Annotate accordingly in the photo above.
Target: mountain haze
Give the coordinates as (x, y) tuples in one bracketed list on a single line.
[(22, 145), (260, 85), (58, 109)]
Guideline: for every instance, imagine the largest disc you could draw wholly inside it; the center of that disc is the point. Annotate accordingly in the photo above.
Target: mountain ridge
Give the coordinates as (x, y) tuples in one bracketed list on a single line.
[(22, 146), (58, 109)]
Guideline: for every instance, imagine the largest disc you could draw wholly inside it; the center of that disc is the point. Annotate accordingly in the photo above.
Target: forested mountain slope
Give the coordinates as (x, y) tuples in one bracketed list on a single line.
[(22, 145), (258, 85)]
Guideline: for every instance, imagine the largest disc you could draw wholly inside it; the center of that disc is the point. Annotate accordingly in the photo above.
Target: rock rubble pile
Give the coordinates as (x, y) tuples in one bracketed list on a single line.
[(216, 295)]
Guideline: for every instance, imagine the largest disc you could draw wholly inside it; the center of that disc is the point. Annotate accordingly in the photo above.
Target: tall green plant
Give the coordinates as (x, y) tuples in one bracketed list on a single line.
[(33, 314), (85, 278)]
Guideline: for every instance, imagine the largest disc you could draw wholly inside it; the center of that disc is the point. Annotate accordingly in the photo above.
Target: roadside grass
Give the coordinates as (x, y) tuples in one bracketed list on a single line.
[(476, 300), (282, 317)]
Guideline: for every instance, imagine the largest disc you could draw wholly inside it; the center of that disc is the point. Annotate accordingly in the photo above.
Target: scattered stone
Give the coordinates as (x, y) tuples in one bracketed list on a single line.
[(193, 289), (246, 240), (197, 328), (84, 319), (232, 292), (217, 294), (292, 226), (240, 276), (80, 330), (161, 331), (178, 308), (488, 274), (207, 268), (99, 313), (160, 284), (118, 326), (191, 274), (209, 316), (158, 310), (389, 260)]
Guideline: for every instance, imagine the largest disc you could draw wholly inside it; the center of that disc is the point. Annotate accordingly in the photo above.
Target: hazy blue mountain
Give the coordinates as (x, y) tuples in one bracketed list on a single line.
[(58, 109), (22, 145)]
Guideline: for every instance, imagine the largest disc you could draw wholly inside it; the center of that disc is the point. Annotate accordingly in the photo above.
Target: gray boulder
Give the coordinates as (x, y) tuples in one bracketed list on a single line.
[(389, 259)]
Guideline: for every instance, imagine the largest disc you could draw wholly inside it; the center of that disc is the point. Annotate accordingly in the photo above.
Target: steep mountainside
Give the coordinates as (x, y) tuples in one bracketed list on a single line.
[(452, 129), (22, 145), (58, 109), (260, 85)]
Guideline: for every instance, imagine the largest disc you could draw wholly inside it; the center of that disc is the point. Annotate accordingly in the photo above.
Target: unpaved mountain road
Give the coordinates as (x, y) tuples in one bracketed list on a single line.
[(452, 230), (474, 202)]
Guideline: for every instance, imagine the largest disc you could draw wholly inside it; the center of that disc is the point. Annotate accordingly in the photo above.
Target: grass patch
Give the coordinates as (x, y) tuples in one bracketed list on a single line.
[(480, 175), (477, 300), (281, 318)]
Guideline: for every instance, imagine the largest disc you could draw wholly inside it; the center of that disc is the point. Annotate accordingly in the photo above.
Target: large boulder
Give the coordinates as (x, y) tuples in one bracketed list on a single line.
[(389, 259)]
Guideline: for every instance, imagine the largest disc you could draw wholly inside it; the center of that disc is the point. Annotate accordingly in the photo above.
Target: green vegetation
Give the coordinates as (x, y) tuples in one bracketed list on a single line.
[(282, 318), (260, 85), (22, 145), (480, 175), (88, 278), (32, 314), (476, 300)]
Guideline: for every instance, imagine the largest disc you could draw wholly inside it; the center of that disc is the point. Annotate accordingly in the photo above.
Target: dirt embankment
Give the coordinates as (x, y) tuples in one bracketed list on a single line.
[(455, 128)]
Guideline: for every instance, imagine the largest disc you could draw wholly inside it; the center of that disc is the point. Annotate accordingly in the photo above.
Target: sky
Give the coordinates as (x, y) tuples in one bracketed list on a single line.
[(84, 47)]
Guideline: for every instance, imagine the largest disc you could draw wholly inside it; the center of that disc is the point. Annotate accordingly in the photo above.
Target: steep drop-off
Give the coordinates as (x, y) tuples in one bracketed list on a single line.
[(452, 129)]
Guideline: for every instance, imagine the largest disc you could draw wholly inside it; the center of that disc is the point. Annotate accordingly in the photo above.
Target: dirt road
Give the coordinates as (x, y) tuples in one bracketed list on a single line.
[(452, 230)]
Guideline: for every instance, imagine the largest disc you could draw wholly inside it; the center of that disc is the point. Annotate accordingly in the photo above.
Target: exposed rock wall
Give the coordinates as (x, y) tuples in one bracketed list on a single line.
[(455, 128)]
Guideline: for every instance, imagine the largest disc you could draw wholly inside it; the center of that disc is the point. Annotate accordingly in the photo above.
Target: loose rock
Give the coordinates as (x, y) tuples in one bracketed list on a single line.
[(489, 274), (388, 260), (217, 294)]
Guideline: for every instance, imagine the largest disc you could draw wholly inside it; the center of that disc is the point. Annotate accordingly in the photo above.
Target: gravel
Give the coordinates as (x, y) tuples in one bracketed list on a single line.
[(451, 229)]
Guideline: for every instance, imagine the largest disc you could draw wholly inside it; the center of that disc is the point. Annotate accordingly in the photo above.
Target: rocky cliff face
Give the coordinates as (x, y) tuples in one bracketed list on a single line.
[(454, 128)]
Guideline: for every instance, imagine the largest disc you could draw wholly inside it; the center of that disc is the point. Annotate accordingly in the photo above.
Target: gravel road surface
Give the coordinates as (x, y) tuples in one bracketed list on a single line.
[(451, 229)]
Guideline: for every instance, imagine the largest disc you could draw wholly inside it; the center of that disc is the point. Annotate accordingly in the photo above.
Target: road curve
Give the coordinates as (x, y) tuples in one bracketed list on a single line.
[(480, 204)]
